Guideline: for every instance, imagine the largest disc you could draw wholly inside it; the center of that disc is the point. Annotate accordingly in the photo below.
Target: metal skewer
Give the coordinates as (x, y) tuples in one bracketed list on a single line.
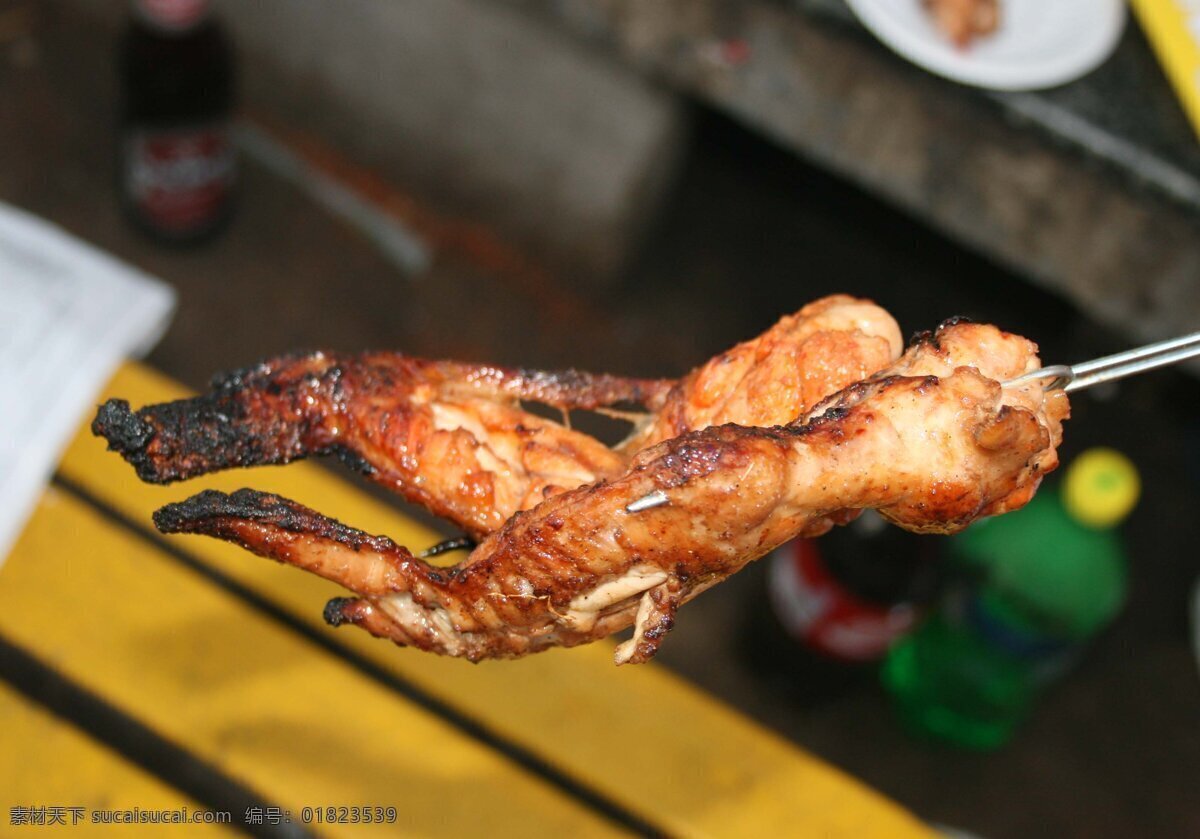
[(1112, 367), (650, 499), (1069, 378)]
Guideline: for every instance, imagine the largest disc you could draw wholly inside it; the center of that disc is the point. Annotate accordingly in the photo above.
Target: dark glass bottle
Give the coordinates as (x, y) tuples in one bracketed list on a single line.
[(836, 604), (178, 168)]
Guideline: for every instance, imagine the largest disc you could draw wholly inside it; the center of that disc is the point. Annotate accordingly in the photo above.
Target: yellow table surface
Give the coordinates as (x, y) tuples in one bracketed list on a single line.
[(1173, 31), (225, 656)]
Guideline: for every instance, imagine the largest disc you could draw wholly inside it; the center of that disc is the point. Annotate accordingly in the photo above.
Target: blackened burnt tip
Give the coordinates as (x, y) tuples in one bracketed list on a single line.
[(177, 517), (122, 428), (334, 614), (168, 519)]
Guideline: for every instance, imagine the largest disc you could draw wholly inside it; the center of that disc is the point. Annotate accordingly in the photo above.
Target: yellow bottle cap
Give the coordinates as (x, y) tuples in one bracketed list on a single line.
[(1101, 488)]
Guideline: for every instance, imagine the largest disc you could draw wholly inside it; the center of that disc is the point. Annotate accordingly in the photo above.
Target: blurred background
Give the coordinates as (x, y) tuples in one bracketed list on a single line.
[(633, 187)]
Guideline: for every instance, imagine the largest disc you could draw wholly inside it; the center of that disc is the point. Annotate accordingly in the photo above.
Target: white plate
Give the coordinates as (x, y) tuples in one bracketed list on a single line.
[(1039, 43)]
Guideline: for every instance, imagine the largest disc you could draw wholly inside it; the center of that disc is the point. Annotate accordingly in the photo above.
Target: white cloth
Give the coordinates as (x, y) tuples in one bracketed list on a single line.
[(69, 314)]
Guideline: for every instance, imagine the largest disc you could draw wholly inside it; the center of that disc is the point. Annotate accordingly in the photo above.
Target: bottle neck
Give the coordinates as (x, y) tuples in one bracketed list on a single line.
[(173, 17)]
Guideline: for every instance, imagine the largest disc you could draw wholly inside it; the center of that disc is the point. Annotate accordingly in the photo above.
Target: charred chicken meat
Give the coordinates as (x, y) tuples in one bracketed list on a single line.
[(785, 435), (454, 438)]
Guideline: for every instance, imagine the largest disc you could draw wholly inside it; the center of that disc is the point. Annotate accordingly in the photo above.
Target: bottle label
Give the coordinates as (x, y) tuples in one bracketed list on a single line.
[(820, 612), (172, 15), (180, 180)]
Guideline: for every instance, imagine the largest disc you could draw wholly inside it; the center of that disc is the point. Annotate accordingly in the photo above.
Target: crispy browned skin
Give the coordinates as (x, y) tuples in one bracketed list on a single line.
[(933, 442), (450, 436), (454, 437), (776, 377)]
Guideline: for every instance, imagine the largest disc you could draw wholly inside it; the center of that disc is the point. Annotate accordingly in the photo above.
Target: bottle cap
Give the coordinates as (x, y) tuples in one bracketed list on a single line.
[(1101, 488)]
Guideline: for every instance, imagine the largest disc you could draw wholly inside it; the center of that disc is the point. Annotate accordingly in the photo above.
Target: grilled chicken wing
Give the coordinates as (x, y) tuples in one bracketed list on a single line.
[(933, 442), (776, 377), (454, 438), (450, 436)]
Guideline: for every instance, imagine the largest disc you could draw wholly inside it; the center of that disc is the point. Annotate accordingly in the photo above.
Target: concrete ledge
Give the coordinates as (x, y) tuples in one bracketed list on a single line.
[(1127, 252)]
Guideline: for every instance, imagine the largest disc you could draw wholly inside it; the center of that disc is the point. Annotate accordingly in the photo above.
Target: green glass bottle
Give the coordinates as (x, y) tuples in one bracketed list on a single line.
[(1034, 586)]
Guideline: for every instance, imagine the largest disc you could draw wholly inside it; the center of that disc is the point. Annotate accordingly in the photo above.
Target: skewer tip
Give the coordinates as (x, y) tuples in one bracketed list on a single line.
[(646, 502)]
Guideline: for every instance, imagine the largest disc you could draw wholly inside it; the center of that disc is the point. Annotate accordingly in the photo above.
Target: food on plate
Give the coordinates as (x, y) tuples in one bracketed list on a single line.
[(963, 21), (932, 441)]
